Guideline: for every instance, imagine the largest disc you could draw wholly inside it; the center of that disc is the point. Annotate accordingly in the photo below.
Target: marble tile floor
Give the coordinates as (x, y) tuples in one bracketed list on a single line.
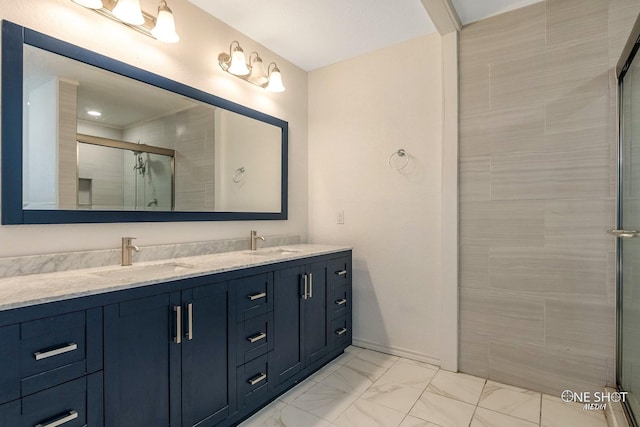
[(365, 388)]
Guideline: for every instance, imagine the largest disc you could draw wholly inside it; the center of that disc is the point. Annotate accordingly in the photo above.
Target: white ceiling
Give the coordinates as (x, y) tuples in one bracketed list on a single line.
[(316, 33)]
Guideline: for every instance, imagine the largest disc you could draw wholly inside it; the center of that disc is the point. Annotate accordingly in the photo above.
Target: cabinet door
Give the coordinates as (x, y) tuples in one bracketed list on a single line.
[(207, 356), (315, 320), (287, 357), (142, 363)]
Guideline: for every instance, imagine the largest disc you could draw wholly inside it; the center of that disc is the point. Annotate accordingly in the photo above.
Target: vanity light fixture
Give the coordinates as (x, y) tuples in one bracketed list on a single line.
[(94, 113), (128, 12), (254, 72)]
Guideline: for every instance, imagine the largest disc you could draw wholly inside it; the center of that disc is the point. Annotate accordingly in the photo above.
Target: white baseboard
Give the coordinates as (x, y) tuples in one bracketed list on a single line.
[(395, 351)]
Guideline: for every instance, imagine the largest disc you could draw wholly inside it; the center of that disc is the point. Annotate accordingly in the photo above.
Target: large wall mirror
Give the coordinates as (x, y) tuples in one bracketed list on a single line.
[(86, 138)]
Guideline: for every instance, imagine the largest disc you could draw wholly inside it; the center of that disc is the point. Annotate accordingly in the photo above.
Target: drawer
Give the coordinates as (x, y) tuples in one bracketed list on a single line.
[(63, 405), (339, 271), (9, 364), (340, 301), (341, 332), (255, 337), (59, 348), (254, 295), (253, 381), (53, 342)]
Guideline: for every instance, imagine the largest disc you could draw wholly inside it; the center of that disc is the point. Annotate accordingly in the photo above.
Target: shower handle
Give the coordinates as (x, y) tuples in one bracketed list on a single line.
[(625, 234)]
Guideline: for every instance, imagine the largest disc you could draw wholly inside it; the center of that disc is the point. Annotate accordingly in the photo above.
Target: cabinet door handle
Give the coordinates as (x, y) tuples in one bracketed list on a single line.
[(258, 337), (310, 285), (190, 321), (306, 286), (45, 354), (341, 273), (341, 332), (257, 296), (258, 379), (341, 301), (65, 419), (178, 310)]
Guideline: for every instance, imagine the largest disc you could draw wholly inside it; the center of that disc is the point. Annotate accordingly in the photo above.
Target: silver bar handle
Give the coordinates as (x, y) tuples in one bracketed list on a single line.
[(341, 331), (190, 321), (341, 273), (178, 310), (258, 379), (310, 285), (258, 337), (257, 296), (625, 234), (46, 354), (65, 419), (341, 301), (306, 286)]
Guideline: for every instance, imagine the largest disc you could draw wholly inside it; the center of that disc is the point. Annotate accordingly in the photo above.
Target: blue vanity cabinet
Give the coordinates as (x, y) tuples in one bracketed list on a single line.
[(301, 325), (168, 359), (51, 369), (339, 305)]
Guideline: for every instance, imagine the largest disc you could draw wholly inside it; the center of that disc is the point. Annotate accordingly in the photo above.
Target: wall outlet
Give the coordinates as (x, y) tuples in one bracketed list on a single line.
[(340, 217)]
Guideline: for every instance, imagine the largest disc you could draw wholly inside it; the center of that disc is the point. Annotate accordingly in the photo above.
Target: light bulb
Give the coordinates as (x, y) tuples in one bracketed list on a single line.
[(258, 74), (129, 11), (165, 29), (275, 81), (238, 62), (91, 4)]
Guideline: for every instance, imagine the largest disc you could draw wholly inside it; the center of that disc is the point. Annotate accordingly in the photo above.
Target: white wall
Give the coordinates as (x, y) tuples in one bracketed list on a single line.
[(193, 61), (254, 146), (360, 111)]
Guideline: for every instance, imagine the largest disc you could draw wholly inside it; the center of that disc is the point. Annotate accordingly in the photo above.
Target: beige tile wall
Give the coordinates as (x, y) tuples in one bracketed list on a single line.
[(537, 163)]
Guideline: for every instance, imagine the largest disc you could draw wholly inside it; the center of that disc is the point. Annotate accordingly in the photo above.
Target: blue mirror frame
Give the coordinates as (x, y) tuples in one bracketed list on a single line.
[(13, 38)]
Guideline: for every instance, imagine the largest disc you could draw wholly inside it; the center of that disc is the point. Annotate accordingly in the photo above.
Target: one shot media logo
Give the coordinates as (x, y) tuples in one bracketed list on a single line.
[(593, 400)]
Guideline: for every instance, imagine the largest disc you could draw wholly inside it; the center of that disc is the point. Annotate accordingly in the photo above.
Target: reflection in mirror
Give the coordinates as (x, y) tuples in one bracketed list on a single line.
[(70, 109)]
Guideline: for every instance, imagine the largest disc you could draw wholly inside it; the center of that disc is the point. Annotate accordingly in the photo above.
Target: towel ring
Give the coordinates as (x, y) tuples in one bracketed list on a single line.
[(238, 175), (400, 153)]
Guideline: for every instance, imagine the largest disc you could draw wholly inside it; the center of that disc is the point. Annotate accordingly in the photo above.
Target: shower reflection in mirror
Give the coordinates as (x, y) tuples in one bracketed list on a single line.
[(121, 175)]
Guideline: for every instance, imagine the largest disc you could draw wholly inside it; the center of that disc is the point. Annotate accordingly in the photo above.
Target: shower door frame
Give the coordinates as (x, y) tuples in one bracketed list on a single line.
[(626, 58), (132, 146)]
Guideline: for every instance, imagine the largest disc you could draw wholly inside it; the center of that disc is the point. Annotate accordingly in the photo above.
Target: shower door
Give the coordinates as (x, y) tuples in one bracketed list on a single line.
[(628, 243)]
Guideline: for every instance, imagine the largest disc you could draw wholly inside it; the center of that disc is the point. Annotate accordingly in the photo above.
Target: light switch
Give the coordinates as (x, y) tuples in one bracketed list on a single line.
[(340, 217)]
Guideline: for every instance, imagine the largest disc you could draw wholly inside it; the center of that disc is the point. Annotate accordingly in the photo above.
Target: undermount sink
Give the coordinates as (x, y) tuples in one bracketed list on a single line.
[(134, 271), (273, 251)]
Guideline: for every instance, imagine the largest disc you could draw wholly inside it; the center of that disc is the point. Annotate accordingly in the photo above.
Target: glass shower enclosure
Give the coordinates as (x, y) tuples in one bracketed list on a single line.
[(628, 229)]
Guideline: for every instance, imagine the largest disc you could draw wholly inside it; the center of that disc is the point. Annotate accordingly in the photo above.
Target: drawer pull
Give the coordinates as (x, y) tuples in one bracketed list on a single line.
[(341, 332), (341, 273), (258, 379), (65, 419), (257, 296), (341, 301), (258, 337), (45, 354)]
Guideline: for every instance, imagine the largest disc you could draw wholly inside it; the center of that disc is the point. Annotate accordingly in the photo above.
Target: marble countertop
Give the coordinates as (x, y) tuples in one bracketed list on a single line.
[(22, 291)]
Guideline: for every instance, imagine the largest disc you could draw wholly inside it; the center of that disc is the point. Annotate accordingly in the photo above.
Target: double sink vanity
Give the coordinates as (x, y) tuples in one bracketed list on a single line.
[(189, 341), (204, 340)]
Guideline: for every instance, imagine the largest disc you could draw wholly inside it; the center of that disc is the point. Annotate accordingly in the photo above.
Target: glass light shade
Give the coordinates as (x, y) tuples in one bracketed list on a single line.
[(238, 63), (91, 4), (258, 73), (165, 29), (275, 81), (129, 11)]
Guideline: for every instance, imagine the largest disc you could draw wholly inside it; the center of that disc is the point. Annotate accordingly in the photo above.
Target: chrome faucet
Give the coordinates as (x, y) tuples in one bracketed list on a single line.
[(254, 238), (127, 249)]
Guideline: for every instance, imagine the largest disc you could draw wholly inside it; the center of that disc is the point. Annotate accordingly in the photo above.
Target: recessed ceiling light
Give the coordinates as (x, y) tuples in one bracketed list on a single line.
[(94, 113)]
